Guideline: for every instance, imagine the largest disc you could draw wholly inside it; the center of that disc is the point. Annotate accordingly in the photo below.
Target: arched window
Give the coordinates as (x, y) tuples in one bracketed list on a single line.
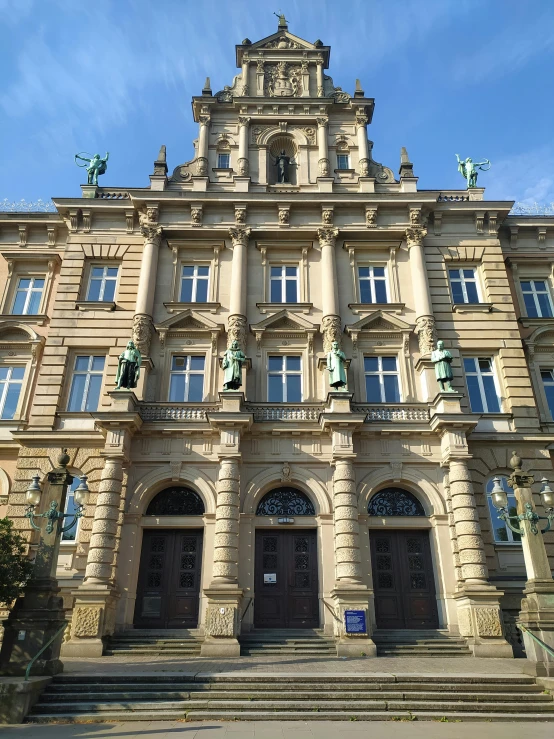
[(502, 534), (285, 502), (343, 155), (176, 501), (394, 502), (223, 154)]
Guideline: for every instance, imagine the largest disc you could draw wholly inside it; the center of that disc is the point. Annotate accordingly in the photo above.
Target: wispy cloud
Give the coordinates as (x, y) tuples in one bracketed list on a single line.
[(527, 177)]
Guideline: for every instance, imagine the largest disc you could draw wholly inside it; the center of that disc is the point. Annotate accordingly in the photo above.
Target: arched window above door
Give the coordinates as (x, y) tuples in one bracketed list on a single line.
[(395, 502), (176, 501), (285, 501)]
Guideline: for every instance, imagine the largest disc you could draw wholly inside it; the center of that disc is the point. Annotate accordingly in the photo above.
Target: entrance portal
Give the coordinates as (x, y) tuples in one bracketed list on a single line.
[(403, 580), (286, 586), (169, 579)]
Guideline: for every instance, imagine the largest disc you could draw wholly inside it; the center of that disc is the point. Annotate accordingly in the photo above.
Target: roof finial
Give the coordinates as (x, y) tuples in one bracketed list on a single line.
[(282, 20)]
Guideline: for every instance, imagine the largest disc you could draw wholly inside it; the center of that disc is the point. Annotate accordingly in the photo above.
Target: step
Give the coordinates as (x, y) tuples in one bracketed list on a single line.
[(354, 715)]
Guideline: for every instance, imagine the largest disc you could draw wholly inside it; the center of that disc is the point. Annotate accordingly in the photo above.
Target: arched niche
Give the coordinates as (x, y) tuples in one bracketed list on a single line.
[(394, 501), (176, 501), (285, 501), (283, 142)]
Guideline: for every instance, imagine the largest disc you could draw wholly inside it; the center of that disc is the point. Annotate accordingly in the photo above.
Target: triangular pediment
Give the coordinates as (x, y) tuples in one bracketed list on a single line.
[(380, 321), (189, 320), (284, 321), (282, 40)]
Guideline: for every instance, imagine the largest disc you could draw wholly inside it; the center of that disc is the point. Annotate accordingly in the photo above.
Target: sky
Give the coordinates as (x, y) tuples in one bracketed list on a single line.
[(472, 77)]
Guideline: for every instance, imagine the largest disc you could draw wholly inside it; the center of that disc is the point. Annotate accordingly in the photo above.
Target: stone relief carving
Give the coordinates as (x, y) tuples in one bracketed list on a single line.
[(371, 217), (324, 167), (149, 227), (240, 216), (281, 43), (218, 623), (86, 621), (196, 216), (327, 236), (243, 167), (229, 91), (142, 333), (202, 166), (240, 235), (425, 329), (331, 330), (236, 331), (283, 80), (308, 131), (284, 216), (327, 216)]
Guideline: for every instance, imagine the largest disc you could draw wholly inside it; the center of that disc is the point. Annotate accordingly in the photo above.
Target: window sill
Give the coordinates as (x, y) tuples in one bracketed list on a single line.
[(180, 307), (94, 305), (472, 308), (372, 307), (223, 170), (38, 319), (293, 307), (527, 322), (350, 172)]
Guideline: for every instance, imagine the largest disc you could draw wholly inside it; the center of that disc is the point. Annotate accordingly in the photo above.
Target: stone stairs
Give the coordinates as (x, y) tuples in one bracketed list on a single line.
[(288, 697), (419, 643), (307, 642), (166, 642)]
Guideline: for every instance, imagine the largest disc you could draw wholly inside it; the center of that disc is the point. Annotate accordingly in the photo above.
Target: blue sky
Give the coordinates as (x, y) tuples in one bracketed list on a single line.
[(472, 77)]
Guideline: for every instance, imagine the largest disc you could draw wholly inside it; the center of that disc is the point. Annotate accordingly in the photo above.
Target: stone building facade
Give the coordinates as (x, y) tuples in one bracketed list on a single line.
[(285, 503)]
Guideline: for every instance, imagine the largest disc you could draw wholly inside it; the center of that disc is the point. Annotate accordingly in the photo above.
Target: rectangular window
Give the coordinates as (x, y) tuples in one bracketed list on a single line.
[(481, 384), (223, 161), (86, 384), (381, 380), (28, 296), (284, 285), (373, 284), (194, 284), (186, 383), (11, 382), (537, 298), (502, 534), (548, 383), (102, 282), (71, 510), (284, 384), (463, 283), (343, 161)]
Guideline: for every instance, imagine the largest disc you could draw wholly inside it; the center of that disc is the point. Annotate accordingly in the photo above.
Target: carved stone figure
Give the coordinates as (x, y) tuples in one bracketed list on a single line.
[(327, 216), (142, 333), (282, 163), (233, 359), (442, 359), (336, 367), (236, 331), (196, 216), (128, 367), (331, 330), (324, 167), (96, 166), (468, 170), (284, 215), (425, 327), (202, 166)]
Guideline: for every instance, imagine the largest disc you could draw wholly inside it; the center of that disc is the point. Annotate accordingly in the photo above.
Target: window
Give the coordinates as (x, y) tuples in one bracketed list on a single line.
[(28, 296), (463, 283), (194, 284), (86, 383), (284, 285), (186, 383), (101, 286), (373, 284), (343, 161), (284, 384), (223, 161), (548, 383), (537, 298), (381, 380), (71, 509), (502, 534), (11, 382), (481, 384)]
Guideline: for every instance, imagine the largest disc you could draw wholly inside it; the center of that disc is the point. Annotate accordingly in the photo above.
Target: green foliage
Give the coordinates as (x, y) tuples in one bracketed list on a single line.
[(15, 568)]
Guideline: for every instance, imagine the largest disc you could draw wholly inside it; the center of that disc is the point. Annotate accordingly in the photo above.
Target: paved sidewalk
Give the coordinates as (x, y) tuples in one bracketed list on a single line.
[(282, 730)]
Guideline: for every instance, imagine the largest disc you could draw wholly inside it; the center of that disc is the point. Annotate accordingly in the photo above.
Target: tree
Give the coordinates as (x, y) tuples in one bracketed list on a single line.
[(15, 568)]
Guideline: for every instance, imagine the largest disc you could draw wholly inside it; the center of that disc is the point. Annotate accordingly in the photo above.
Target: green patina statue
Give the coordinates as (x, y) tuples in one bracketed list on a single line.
[(442, 359), (233, 359), (468, 169), (96, 165), (336, 367), (128, 368)]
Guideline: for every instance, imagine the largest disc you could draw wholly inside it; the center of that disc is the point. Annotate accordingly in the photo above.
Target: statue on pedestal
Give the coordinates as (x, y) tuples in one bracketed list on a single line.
[(468, 170), (233, 359), (282, 163), (96, 165), (336, 367), (442, 359), (128, 368)]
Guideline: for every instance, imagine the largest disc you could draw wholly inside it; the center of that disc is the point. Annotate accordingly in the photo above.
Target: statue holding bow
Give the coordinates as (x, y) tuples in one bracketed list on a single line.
[(468, 170), (95, 165)]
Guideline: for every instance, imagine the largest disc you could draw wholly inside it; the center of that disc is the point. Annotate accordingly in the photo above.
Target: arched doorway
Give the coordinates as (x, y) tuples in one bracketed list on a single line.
[(286, 581), (170, 566), (403, 578)]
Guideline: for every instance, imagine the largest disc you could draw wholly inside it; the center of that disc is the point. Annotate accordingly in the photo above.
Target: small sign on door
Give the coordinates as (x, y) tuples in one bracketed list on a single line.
[(270, 578)]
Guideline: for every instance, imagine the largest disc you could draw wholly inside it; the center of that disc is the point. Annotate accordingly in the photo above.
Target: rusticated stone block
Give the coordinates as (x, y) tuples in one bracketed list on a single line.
[(220, 621), (464, 622), (86, 621), (488, 621)]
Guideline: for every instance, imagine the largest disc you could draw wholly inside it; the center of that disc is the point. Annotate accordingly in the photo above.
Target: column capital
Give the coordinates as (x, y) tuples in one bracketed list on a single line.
[(149, 226), (240, 235), (327, 236), (204, 120), (322, 120), (415, 235), (361, 121), (244, 120)]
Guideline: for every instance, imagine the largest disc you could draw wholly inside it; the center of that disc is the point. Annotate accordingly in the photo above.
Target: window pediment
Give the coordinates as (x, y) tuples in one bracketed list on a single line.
[(188, 323), (380, 321), (285, 321)]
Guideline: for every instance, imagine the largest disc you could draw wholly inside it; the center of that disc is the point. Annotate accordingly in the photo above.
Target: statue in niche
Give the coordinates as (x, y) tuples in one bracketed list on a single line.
[(233, 359), (95, 165), (468, 170), (336, 367), (128, 367), (442, 360), (283, 163)]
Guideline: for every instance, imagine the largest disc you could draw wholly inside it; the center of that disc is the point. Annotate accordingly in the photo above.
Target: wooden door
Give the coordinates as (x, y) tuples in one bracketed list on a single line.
[(286, 584), (403, 580), (169, 579)]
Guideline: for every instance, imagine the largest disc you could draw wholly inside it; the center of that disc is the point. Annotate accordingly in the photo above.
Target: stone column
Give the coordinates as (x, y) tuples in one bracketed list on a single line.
[(319, 77), (473, 564), (425, 320), (331, 317), (324, 166), (243, 162), (347, 532), (363, 149), (236, 324), (245, 64), (226, 542), (142, 320), (202, 159)]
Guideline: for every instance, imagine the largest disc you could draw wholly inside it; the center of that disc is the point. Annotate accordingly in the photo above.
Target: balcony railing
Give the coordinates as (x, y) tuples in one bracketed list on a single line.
[(392, 413), (284, 412), (175, 411)]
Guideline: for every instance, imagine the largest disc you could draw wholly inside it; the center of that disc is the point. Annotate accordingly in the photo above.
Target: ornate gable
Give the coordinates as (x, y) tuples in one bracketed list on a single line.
[(189, 324)]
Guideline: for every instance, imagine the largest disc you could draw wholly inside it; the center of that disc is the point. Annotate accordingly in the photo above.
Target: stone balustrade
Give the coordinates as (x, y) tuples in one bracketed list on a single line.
[(175, 411), (284, 412), (394, 413)]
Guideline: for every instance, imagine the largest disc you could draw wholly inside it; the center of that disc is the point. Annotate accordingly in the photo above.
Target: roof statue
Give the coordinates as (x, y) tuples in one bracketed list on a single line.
[(468, 170), (282, 19), (96, 165)]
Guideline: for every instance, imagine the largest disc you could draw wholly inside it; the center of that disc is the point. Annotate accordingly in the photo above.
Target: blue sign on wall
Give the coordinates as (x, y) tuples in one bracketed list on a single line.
[(355, 622)]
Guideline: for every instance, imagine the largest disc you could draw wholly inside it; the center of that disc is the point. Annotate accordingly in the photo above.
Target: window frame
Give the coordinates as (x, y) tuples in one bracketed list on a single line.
[(187, 372), (461, 279), (88, 373), (105, 266), (341, 154), (479, 375), (5, 386), (195, 280), (29, 292), (284, 279), (65, 542), (284, 373), (371, 279), (24, 266), (534, 294), (381, 374), (493, 511), (223, 154)]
